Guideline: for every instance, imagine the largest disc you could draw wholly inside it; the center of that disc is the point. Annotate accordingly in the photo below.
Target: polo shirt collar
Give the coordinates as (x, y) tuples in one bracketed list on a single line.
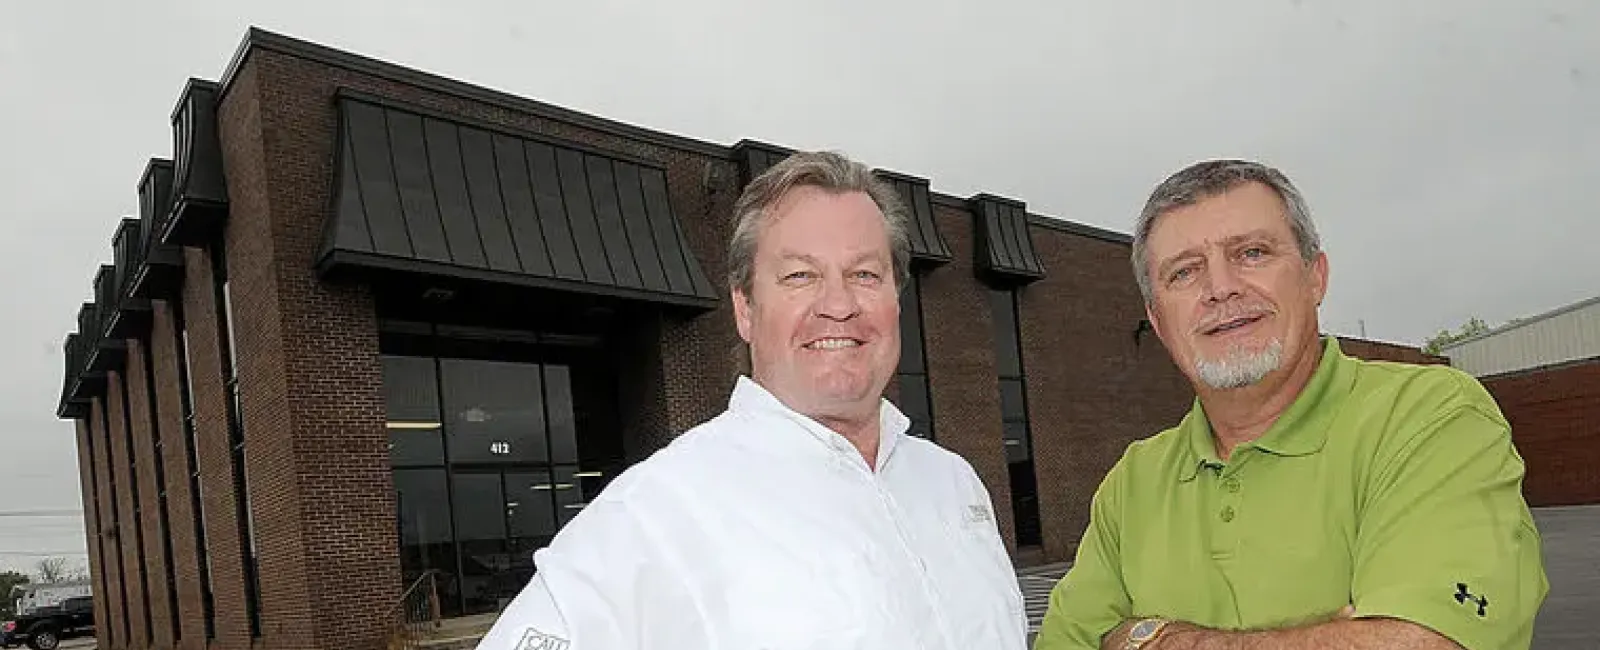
[(1301, 430), (751, 397)]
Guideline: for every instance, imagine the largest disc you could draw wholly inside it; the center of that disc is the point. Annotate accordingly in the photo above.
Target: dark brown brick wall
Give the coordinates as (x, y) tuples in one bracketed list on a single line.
[(127, 515), (91, 526), (174, 459), (216, 474), (108, 538), (1553, 414), (144, 459), (1382, 351), (1093, 387), (962, 375)]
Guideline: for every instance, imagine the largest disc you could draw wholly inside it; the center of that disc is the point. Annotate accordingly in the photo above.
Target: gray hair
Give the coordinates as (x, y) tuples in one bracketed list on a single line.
[(1210, 178), (826, 170)]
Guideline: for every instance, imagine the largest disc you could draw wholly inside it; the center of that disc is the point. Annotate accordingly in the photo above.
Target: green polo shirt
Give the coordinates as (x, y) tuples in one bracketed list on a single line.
[(1389, 486)]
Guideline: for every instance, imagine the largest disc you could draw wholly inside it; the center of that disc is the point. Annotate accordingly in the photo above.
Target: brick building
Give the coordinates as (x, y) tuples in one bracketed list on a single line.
[(371, 323)]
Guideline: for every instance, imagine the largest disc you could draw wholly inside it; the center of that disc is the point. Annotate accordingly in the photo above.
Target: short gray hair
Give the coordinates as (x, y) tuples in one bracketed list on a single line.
[(1210, 178), (826, 170)]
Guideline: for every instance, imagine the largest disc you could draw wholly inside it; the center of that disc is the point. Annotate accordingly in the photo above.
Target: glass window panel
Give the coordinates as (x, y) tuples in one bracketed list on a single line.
[(563, 427), (569, 493), (1004, 317), (1013, 407), (911, 341), (411, 401), (494, 411), (1016, 441), (914, 397), (424, 506), (530, 505), (479, 507), (921, 429)]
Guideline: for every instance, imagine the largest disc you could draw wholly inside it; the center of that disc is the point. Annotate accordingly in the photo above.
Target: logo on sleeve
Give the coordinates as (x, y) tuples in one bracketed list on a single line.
[(533, 639), (978, 514), (1464, 596)]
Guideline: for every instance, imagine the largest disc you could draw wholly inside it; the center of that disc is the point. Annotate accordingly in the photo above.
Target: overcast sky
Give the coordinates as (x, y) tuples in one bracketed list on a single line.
[(1450, 149)]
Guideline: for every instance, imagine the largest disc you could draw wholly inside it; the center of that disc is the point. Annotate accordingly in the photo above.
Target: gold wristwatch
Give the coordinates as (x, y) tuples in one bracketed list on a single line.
[(1144, 631)]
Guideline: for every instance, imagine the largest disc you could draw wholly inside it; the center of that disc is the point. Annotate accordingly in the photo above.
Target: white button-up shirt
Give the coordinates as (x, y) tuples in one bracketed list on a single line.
[(764, 529)]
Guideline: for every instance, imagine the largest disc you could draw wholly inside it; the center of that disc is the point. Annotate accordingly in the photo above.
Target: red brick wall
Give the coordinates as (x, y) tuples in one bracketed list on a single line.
[(963, 379), (115, 638), (216, 473), (180, 511), (1554, 414), (91, 527), (144, 459), (1093, 388), (127, 517)]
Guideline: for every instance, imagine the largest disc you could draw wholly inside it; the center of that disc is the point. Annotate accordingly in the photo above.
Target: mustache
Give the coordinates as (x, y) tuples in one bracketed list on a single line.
[(1230, 313)]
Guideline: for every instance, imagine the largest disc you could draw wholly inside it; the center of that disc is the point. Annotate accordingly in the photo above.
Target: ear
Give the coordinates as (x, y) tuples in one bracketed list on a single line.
[(1319, 277), (741, 313)]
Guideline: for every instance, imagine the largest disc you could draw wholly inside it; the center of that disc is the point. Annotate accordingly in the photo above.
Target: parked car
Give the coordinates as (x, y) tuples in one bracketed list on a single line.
[(45, 627), (6, 639)]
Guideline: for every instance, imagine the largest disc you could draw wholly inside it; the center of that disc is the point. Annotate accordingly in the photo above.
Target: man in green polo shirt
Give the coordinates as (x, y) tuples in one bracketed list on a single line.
[(1308, 499)]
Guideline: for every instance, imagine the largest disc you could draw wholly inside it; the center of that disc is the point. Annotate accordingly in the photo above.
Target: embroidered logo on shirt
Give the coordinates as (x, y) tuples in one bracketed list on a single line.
[(978, 513), (533, 639), (1464, 596)]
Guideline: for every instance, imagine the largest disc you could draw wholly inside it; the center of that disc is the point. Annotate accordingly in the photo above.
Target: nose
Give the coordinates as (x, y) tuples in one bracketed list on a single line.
[(836, 300), (1222, 282)]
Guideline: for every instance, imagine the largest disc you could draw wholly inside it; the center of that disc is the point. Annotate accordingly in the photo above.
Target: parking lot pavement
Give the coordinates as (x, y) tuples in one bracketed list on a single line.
[(1571, 537)]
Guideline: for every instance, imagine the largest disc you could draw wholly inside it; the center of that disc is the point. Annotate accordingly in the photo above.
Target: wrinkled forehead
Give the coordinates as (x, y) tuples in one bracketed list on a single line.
[(1247, 210), (820, 223)]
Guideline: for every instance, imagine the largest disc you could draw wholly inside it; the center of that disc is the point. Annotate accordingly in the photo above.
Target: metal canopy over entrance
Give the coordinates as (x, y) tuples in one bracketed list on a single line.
[(419, 192)]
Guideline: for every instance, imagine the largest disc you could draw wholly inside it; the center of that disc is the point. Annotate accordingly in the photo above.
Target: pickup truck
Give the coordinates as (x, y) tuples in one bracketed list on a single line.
[(45, 627)]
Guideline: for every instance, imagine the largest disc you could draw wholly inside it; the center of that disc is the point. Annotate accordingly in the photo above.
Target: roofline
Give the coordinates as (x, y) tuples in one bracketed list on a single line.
[(256, 38), (1526, 321), (259, 39), (1533, 370)]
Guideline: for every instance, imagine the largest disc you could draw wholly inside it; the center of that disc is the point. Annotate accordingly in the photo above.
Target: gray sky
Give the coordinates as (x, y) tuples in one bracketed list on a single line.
[(1450, 148)]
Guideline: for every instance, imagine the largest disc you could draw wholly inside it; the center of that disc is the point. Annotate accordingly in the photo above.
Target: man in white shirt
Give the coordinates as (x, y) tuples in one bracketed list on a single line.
[(803, 516)]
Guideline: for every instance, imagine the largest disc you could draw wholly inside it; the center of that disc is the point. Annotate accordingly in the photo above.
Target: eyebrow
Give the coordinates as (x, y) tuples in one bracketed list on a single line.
[(1227, 242), (812, 260)]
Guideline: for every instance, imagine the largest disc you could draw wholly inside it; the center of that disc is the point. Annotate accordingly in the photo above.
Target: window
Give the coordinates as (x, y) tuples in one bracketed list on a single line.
[(1018, 439), (912, 376), (244, 513), (191, 443)]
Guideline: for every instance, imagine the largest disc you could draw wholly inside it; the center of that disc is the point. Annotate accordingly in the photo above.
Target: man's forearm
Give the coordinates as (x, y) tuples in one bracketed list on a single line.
[(1365, 634)]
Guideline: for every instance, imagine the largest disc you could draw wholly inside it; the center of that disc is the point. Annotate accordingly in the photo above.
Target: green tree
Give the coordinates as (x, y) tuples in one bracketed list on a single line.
[(9, 579), (1473, 327)]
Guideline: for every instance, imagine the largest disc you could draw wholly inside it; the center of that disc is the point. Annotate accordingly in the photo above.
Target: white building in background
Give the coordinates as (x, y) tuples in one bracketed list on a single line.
[(32, 596), (1564, 335)]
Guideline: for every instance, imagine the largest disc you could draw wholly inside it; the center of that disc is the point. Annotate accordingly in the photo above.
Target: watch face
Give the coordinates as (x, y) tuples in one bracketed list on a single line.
[(1143, 630)]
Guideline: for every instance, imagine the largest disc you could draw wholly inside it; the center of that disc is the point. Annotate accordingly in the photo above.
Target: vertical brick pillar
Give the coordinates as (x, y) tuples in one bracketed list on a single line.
[(133, 569), (962, 375), (140, 423), (309, 370), (116, 638), (87, 475), (216, 471), (180, 511)]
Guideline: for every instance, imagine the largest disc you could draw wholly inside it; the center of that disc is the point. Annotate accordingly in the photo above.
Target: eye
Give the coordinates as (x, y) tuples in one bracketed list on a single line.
[(1254, 252), (1181, 274), (795, 277), (865, 275)]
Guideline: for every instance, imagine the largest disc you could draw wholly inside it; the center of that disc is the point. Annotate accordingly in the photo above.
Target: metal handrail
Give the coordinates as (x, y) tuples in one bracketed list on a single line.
[(416, 614)]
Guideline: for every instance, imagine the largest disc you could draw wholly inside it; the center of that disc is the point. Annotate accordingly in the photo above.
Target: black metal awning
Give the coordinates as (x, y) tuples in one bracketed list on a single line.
[(1004, 245), (418, 192)]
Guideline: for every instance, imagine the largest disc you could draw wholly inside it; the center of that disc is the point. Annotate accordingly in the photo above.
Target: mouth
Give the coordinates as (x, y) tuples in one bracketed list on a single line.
[(834, 343), (1232, 324)]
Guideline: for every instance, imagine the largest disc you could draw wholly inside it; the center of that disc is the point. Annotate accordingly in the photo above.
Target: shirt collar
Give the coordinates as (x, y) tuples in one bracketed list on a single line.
[(751, 397), (1301, 430)]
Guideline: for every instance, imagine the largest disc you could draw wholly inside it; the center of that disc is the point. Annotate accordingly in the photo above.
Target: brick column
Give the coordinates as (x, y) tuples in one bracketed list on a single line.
[(88, 475), (174, 458), (116, 637), (216, 471), (964, 381), (133, 568), (141, 424)]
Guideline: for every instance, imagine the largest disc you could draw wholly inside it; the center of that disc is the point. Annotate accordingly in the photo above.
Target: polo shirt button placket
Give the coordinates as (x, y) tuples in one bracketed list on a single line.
[(1226, 536)]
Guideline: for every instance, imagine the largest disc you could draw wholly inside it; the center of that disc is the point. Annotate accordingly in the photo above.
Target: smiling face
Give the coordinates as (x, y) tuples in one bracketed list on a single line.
[(1232, 299), (822, 315)]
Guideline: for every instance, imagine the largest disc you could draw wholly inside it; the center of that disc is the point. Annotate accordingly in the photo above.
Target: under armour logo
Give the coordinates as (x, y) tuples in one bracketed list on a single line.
[(536, 640), (1463, 596)]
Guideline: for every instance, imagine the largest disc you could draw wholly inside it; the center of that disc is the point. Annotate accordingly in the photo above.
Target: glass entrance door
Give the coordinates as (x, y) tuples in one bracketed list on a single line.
[(489, 464)]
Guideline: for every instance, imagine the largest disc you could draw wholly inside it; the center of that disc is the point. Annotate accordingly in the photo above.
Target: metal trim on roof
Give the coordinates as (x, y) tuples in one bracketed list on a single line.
[(1004, 246)]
